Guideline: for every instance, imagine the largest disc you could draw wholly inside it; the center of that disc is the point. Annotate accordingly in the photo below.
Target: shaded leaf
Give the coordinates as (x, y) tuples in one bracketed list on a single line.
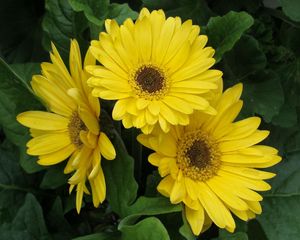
[(263, 96), (291, 9), (13, 185), (54, 177), (28, 223), (198, 10), (245, 58), (223, 32), (117, 173), (287, 179), (280, 218), (12, 96), (57, 224)]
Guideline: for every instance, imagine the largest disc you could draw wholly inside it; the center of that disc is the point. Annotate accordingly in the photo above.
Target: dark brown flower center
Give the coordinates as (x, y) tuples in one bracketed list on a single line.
[(149, 79), (75, 126), (199, 154)]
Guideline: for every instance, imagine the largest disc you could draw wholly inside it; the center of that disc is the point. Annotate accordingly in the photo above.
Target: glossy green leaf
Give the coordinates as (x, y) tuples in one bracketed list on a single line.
[(60, 24), (100, 236), (95, 11), (148, 229)]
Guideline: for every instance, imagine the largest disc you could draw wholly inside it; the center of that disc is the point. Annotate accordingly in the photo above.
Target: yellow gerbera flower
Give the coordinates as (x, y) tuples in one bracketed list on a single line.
[(71, 127), (157, 69), (210, 164)]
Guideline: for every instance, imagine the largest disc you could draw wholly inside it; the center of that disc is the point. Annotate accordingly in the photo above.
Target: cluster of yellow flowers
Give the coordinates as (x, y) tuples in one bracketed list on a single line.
[(158, 70)]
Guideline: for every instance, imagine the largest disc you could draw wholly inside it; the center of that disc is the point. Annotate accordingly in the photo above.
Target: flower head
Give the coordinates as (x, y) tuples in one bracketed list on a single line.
[(210, 164), (156, 68), (70, 127)]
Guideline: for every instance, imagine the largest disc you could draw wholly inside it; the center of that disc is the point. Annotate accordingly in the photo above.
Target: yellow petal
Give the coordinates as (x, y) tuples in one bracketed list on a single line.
[(79, 195), (154, 159), (257, 185), (106, 148), (178, 192), (165, 186), (248, 172), (191, 188), (167, 145), (211, 202), (178, 104), (43, 120), (225, 194), (90, 120), (96, 160), (154, 107), (233, 145), (195, 218), (56, 157), (48, 143)]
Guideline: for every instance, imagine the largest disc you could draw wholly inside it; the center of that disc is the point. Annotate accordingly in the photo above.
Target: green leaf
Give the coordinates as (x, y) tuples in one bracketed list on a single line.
[(263, 96), (152, 206), (239, 64), (198, 10), (287, 179), (95, 11), (60, 24), (224, 32), (54, 177), (120, 12), (13, 185), (28, 224), (280, 217), (291, 9), (148, 229), (56, 222), (145, 206), (233, 236), (12, 95), (26, 71), (117, 173), (289, 36), (287, 116), (100, 236)]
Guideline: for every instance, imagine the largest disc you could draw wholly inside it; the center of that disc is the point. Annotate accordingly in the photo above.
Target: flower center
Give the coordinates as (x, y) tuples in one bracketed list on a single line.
[(149, 82), (198, 156), (149, 79), (75, 126)]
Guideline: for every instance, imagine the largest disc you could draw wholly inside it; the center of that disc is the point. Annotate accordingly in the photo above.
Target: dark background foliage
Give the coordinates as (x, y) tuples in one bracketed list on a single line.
[(257, 42)]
